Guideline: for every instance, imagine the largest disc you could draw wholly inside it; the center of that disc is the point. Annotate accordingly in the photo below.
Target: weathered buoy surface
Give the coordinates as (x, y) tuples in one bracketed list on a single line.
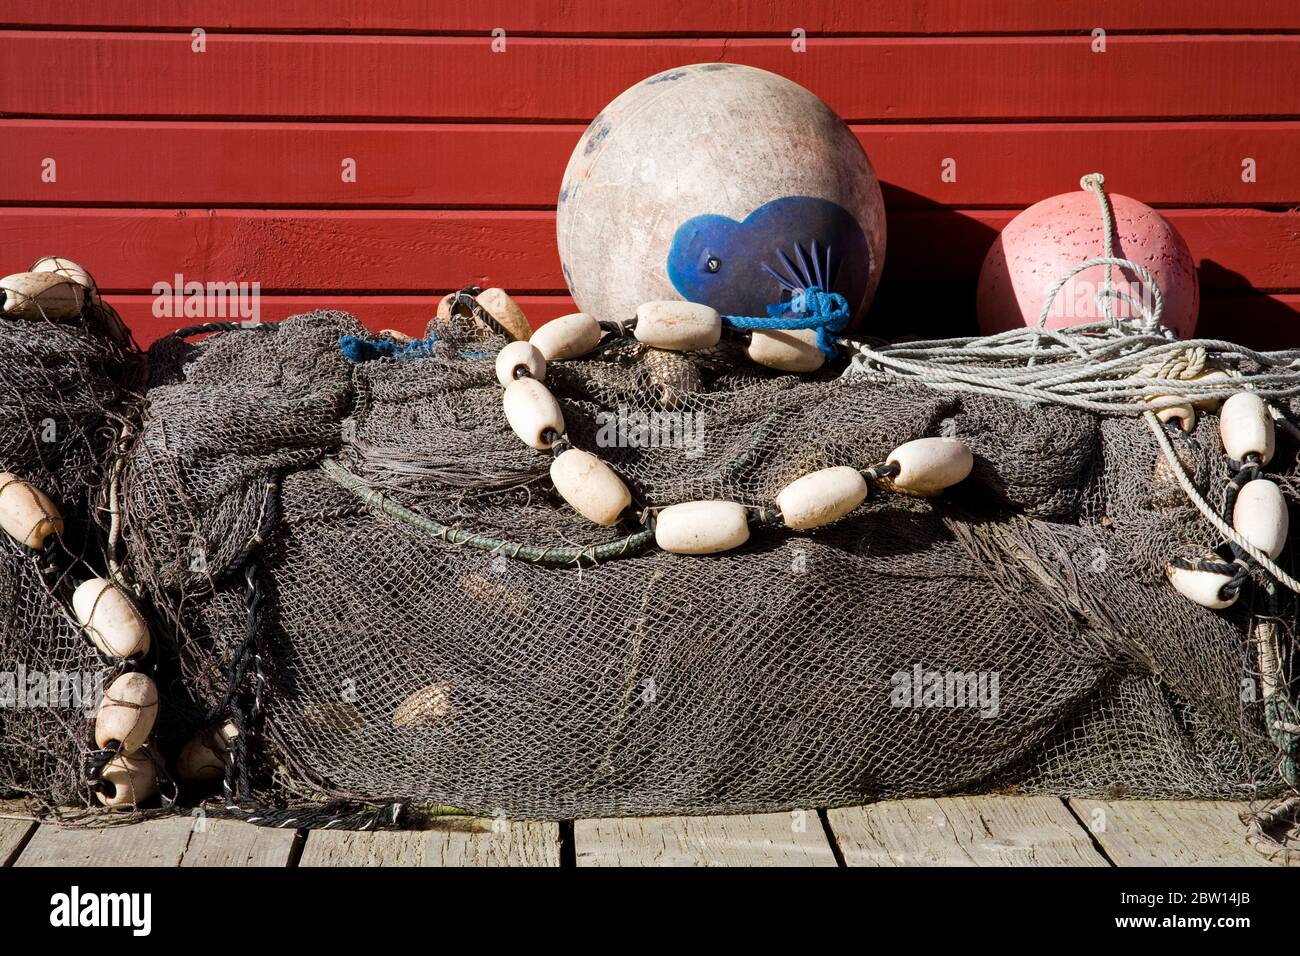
[(697, 181), (1246, 428), (110, 619), (702, 527), (590, 486), (795, 350), (498, 304), (568, 337), (821, 497), (1184, 415), (1201, 587), (1260, 516), (532, 412), (130, 779), (41, 295), (927, 466), (128, 712), (68, 269), (678, 326), (1051, 237), (203, 758), (26, 513), (520, 355)]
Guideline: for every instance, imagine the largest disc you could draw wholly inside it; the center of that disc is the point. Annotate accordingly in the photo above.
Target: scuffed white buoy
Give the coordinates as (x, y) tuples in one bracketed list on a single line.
[(590, 486), (128, 712), (1202, 587), (519, 355), (702, 527), (203, 758), (1185, 415), (1260, 516), (793, 350), (1246, 427), (69, 270), (678, 326), (132, 778), (821, 497), (26, 514), (569, 336), (110, 618), (927, 466), (500, 306), (1217, 376), (532, 411), (37, 295)]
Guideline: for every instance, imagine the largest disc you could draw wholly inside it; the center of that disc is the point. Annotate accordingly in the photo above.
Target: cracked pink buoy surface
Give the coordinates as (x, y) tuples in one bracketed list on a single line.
[(1053, 236)]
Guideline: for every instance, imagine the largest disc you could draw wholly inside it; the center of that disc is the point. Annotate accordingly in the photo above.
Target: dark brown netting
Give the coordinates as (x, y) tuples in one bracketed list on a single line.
[(391, 664), (63, 400)]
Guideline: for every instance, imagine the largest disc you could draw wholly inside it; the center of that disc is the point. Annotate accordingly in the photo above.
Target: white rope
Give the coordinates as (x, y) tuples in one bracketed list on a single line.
[(1225, 529), (1102, 367)]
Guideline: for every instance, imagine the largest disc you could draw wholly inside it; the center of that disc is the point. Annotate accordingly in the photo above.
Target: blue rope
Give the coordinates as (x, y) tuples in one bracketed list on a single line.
[(357, 349), (811, 308)]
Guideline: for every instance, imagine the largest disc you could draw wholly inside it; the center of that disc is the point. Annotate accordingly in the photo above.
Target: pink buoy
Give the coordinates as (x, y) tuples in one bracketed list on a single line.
[(1051, 237)]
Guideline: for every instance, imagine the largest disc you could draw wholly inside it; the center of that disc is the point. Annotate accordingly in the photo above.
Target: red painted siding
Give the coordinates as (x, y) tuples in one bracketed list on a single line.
[(225, 165)]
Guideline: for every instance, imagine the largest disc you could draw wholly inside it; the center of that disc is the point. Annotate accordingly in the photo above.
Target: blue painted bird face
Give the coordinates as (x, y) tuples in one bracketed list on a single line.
[(783, 246)]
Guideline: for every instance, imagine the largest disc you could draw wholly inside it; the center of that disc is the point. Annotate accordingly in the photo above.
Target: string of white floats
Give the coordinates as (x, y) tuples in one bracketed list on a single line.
[(923, 467), (58, 289)]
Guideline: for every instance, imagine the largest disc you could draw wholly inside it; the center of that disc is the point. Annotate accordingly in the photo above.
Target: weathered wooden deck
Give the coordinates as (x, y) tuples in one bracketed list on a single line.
[(955, 831)]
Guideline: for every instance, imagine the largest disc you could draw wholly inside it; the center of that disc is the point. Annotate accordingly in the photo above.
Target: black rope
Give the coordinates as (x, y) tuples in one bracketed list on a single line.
[(466, 300), (207, 327)]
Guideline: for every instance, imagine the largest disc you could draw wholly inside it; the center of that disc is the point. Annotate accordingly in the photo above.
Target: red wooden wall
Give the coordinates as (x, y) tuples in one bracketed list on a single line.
[(225, 165)]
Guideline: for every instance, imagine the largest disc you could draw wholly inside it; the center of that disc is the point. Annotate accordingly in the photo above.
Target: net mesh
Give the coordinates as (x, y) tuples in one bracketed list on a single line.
[(389, 663), (64, 397)]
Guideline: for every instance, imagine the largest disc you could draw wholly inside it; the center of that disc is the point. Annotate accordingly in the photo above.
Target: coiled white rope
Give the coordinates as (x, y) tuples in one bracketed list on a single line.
[(1102, 367)]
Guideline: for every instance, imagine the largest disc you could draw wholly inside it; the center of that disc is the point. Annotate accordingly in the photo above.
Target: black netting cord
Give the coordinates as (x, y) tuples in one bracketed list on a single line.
[(244, 709)]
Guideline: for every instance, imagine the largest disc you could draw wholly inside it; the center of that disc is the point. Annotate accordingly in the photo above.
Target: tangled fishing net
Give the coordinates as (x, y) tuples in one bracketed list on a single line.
[(355, 562)]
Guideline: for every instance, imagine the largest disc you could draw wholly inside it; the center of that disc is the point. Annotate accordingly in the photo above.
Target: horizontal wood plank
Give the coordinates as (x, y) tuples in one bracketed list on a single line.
[(1170, 832), (462, 78), (216, 842), (772, 839), (419, 251), (13, 836), (158, 842), (456, 842), (139, 163), (927, 309), (963, 831), (635, 17)]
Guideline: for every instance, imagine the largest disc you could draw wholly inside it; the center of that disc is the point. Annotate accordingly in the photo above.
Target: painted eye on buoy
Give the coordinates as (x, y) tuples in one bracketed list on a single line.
[(713, 264)]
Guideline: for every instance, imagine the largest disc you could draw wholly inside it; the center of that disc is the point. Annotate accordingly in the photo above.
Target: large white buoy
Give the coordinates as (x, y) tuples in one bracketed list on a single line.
[(706, 183)]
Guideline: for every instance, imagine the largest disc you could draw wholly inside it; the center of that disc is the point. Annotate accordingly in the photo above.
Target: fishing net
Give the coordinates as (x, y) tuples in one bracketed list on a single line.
[(364, 565), (64, 399)]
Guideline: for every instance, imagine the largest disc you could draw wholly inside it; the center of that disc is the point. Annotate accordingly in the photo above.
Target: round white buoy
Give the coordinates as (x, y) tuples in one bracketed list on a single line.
[(721, 184)]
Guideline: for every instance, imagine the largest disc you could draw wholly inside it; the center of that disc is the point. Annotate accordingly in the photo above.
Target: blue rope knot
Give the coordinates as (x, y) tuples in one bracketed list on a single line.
[(357, 349), (810, 308)]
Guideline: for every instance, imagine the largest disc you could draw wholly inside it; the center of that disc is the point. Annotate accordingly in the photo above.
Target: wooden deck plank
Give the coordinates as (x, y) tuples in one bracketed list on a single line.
[(459, 842), (773, 839), (1170, 832), (159, 842), (234, 843), (963, 831), (13, 833)]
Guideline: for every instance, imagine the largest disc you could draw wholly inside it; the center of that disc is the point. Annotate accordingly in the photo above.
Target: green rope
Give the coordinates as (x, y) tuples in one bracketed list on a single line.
[(595, 554)]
